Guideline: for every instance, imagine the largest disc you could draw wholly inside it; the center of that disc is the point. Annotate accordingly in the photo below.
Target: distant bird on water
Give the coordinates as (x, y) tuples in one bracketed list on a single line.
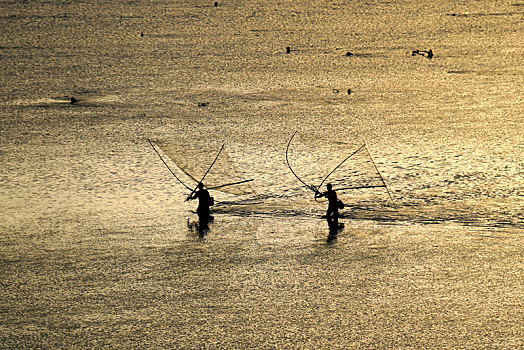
[(73, 100)]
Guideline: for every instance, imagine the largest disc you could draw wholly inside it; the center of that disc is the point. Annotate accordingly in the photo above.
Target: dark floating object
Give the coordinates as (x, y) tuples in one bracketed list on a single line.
[(425, 53), (203, 104), (216, 4), (336, 91), (349, 53), (288, 49), (73, 100), (458, 14), (142, 34)]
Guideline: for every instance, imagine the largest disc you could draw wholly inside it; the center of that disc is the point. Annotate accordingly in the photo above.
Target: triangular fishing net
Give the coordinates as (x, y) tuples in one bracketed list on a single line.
[(195, 159), (346, 165), (357, 171)]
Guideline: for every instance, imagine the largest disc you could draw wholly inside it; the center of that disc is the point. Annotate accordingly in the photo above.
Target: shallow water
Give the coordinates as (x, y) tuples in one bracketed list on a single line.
[(98, 248)]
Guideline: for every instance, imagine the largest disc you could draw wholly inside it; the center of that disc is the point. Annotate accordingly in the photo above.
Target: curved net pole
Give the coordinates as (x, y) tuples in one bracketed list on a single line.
[(292, 171), (338, 166), (163, 161), (202, 179)]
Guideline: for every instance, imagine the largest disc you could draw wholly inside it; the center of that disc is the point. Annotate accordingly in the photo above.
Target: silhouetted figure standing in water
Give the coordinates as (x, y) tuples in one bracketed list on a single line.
[(332, 210), (425, 53), (204, 201)]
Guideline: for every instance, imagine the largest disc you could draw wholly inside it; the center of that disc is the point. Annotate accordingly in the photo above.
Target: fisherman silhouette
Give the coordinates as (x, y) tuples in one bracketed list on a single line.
[(204, 201), (425, 53), (333, 204)]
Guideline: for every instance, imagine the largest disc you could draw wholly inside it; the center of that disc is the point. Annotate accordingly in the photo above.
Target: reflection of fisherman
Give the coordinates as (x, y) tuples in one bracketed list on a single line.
[(332, 210), (201, 227), (204, 200)]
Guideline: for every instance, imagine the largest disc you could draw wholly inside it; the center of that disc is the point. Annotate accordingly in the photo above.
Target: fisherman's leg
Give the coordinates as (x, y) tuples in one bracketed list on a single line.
[(332, 216), (203, 214), (335, 217), (330, 213)]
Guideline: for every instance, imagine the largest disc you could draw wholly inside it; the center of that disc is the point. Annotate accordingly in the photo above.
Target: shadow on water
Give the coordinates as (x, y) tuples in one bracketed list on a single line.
[(432, 214), (432, 211), (380, 213), (82, 98)]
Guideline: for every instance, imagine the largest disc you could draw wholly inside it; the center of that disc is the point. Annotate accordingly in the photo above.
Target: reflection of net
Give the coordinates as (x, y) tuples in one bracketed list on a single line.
[(194, 161), (313, 161)]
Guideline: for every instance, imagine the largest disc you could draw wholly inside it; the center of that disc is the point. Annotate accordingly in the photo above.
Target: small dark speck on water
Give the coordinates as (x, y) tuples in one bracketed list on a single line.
[(99, 250)]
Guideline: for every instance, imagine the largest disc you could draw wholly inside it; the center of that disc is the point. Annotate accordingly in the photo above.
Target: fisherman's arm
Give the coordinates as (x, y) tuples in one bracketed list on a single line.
[(193, 195), (320, 194)]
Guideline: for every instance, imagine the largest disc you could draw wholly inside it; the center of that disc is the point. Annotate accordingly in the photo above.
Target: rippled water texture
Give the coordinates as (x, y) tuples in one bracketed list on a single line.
[(98, 248)]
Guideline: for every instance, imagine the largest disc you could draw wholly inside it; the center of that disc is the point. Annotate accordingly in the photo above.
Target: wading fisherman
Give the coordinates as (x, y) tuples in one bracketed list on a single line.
[(333, 203), (204, 201)]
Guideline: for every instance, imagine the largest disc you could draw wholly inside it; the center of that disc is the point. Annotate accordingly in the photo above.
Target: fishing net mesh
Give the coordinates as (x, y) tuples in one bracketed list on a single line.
[(313, 160), (195, 159)]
